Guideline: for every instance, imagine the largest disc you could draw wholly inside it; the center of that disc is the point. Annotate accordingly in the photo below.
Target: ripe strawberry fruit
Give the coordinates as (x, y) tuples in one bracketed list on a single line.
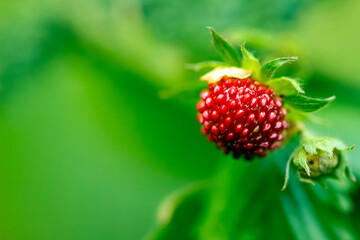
[(241, 113), (242, 116)]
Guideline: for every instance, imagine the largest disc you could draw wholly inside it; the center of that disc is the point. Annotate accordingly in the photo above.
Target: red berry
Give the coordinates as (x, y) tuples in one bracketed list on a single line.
[(260, 90), (239, 114), (217, 89), (251, 118), (204, 94), (248, 145), (200, 118), (278, 103), (264, 144), (232, 104), (215, 115), (245, 98), (206, 114), (253, 102), (222, 127), (220, 99), (214, 130), (223, 109), (266, 127), (263, 101), (261, 116), (206, 125), (244, 132), (209, 102), (242, 116), (232, 91), (238, 128), (228, 121), (277, 125), (201, 106), (230, 136), (272, 116)]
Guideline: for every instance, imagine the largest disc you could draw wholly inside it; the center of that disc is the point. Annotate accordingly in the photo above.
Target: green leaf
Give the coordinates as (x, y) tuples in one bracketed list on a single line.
[(310, 146), (325, 144), (300, 160), (307, 104), (204, 65), (270, 68), (285, 86), (225, 50), (250, 62)]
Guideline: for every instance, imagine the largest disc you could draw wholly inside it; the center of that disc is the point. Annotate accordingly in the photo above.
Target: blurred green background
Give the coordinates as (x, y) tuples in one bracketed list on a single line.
[(88, 149)]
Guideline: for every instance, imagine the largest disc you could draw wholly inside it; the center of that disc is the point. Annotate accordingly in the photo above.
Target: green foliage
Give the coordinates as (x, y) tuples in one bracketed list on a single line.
[(300, 159), (307, 104), (285, 86), (268, 70), (227, 52), (310, 146), (250, 62)]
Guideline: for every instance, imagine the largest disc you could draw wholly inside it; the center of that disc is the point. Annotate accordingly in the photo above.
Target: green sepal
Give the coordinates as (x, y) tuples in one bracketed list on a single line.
[(250, 62), (204, 65), (225, 50), (325, 144), (285, 86), (310, 146), (268, 69), (300, 159), (306, 104), (339, 145), (332, 144)]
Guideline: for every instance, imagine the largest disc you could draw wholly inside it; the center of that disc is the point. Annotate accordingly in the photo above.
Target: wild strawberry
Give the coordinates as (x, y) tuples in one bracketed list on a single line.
[(242, 116), (242, 112)]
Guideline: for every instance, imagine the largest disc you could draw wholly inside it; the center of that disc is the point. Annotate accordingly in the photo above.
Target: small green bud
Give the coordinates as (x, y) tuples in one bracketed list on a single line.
[(318, 158), (320, 164)]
